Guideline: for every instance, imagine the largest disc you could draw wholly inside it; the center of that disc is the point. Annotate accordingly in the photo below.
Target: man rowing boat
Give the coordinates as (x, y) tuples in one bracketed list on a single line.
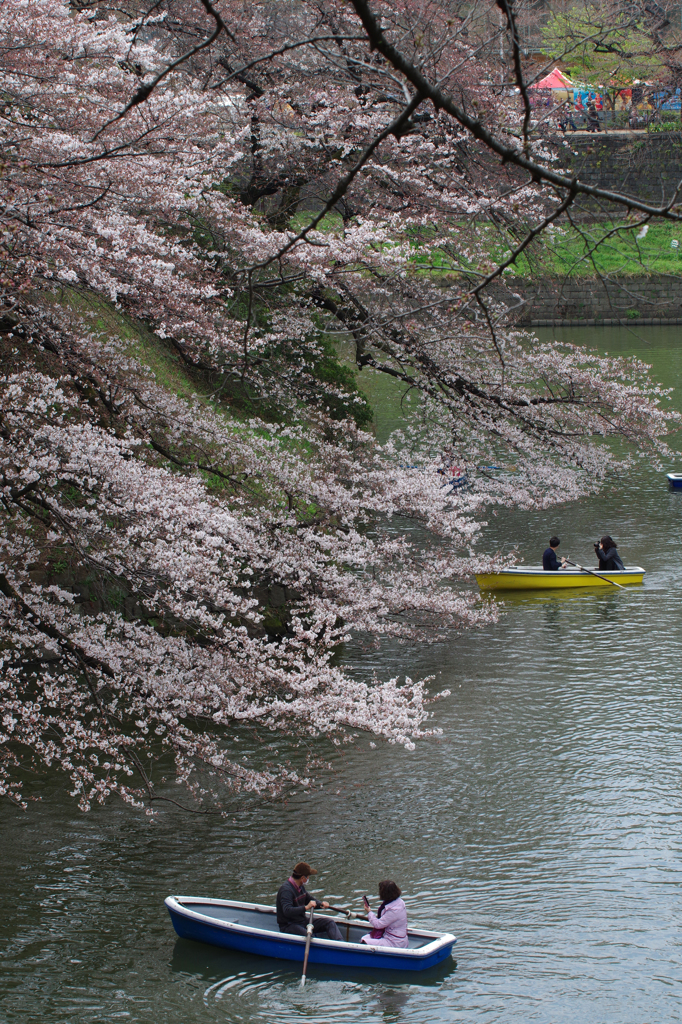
[(549, 559), (293, 901)]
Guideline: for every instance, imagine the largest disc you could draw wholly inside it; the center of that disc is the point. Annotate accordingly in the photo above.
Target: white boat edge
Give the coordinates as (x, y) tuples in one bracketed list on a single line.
[(520, 570), (179, 905)]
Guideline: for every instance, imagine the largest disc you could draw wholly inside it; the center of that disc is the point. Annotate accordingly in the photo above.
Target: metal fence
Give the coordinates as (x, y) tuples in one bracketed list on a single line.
[(609, 120)]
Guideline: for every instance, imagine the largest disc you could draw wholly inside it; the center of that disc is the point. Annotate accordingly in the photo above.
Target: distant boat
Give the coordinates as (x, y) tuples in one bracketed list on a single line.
[(252, 928), (675, 481), (534, 577)]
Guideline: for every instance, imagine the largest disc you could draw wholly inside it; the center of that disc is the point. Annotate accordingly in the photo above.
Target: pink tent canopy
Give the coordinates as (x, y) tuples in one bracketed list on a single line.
[(554, 80)]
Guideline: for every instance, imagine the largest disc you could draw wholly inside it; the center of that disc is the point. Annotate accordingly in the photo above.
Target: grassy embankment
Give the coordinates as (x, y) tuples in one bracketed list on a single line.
[(608, 248), (591, 249)]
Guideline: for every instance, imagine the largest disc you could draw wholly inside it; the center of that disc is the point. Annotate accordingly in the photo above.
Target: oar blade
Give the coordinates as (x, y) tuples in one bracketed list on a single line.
[(308, 940)]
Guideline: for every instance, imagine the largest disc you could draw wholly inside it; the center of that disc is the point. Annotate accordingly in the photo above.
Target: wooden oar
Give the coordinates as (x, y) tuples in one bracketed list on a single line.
[(349, 913), (593, 573), (309, 928)]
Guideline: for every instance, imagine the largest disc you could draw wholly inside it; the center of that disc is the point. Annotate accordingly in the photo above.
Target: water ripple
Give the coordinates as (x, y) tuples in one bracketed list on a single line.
[(544, 829)]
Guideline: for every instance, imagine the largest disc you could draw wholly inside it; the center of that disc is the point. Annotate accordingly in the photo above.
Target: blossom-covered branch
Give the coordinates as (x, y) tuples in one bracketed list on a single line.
[(196, 226)]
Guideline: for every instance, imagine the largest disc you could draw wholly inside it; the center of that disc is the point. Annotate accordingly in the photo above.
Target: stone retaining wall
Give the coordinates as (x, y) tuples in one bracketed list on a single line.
[(637, 163), (552, 301)]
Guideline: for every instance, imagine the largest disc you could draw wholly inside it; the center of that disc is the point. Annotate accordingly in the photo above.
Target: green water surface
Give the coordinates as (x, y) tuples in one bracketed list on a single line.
[(544, 829)]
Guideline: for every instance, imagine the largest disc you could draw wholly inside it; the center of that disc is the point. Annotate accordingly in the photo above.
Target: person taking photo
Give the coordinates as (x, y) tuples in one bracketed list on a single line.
[(607, 553), (389, 924)]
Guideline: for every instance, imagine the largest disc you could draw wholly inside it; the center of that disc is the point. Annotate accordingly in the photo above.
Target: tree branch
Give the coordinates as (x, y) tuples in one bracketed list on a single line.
[(507, 154)]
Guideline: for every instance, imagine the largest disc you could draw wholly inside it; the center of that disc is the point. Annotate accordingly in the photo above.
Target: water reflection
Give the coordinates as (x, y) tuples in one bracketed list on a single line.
[(556, 598), (227, 969), (544, 829), (391, 1002), (260, 989)]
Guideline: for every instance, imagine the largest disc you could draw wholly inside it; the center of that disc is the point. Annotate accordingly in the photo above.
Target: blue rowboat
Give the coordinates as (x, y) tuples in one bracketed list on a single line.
[(675, 481), (252, 928), (456, 484)]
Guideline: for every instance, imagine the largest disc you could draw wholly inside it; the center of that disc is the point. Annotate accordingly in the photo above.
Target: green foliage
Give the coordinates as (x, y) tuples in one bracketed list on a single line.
[(329, 370), (331, 221), (104, 320), (314, 368), (595, 250), (604, 247), (170, 372), (601, 46), (666, 126)]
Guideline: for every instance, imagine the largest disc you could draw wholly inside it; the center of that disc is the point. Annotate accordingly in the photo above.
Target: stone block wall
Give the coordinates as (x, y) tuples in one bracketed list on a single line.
[(648, 166), (657, 298)]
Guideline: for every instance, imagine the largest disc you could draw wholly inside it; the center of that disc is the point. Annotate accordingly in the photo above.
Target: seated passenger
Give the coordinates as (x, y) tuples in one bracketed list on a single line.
[(549, 558), (607, 553), (389, 926)]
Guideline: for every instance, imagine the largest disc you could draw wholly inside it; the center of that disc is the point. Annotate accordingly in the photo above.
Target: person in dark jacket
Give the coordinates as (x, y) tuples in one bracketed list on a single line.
[(593, 119), (293, 902), (607, 553), (549, 559)]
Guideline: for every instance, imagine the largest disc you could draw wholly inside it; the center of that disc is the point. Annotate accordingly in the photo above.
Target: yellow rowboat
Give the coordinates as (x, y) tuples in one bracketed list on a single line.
[(534, 577)]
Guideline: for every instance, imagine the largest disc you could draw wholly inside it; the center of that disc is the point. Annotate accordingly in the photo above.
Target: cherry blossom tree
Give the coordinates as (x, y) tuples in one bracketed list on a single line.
[(241, 188)]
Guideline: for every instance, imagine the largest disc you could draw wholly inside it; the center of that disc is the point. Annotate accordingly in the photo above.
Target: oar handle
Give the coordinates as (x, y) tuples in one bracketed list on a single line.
[(349, 913)]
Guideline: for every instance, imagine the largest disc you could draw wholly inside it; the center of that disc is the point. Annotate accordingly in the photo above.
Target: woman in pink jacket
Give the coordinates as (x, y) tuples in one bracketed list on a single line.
[(389, 926)]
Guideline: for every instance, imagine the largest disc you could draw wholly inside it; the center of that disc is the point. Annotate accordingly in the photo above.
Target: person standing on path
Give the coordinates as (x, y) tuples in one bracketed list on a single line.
[(293, 901), (593, 118)]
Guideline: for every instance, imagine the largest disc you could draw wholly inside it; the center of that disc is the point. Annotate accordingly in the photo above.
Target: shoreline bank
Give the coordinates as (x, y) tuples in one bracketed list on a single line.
[(607, 322), (650, 300)]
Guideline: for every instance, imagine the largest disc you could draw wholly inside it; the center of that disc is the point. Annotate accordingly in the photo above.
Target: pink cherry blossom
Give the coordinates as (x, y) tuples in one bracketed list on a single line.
[(197, 203)]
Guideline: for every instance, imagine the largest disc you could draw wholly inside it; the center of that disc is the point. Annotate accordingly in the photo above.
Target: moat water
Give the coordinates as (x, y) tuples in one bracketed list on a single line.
[(544, 829)]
